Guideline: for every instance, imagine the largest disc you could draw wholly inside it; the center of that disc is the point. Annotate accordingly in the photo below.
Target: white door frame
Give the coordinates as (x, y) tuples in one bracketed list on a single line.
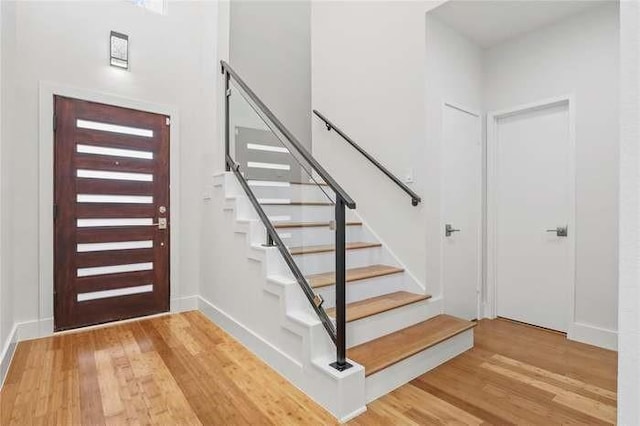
[(478, 114), (44, 324), (490, 308)]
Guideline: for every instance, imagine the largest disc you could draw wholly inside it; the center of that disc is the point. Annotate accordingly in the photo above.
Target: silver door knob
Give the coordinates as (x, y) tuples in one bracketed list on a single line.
[(561, 231), (448, 230)]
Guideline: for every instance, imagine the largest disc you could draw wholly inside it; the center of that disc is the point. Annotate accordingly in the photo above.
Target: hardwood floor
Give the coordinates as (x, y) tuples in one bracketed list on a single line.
[(182, 369), (175, 369), (515, 374)]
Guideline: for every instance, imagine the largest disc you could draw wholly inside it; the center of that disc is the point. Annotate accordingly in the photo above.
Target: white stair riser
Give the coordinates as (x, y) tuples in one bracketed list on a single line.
[(390, 378), (317, 263), (363, 289), (295, 193), (300, 213), (296, 237), (370, 328)]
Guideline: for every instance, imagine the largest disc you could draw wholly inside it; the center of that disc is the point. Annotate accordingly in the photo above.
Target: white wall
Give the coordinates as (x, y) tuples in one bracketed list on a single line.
[(368, 67), (576, 56), (372, 83), (454, 74), (270, 47), (7, 44), (629, 291), (173, 63)]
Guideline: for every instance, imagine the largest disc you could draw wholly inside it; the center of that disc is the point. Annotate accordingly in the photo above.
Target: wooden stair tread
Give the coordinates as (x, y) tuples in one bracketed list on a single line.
[(376, 305), (353, 274), (330, 247), (299, 203), (310, 183), (387, 350), (280, 225)]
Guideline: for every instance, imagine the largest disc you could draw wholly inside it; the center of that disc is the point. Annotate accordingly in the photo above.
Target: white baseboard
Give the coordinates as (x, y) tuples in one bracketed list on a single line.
[(256, 344), (593, 335), (353, 415), (184, 304), (8, 349), (316, 384)]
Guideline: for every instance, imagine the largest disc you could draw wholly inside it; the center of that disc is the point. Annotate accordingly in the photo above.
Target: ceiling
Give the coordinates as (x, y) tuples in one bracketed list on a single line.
[(488, 23)]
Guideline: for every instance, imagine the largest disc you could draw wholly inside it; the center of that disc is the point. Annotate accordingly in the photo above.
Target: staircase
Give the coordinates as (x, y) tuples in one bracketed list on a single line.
[(395, 330)]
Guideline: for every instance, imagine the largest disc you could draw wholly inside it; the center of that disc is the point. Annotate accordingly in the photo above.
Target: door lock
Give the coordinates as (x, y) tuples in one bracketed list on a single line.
[(561, 231), (448, 230), (162, 223)]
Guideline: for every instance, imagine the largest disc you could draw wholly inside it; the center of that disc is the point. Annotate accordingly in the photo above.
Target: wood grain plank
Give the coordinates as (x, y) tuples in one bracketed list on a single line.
[(115, 210), (113, 257), (113, 163), (113, 281), (376, 305), (112, 234), (353, 274), (113, 187), (326, 248), (387, 350), (285, 225)]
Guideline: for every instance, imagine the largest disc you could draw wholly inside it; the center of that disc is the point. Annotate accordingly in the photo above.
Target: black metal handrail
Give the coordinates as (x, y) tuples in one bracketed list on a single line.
[(226, 68), (415, 198), (343, 200), (274, 238)]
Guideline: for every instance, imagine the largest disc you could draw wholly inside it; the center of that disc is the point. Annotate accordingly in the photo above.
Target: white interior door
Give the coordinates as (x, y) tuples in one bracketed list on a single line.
[(462, 211), (533, 198)]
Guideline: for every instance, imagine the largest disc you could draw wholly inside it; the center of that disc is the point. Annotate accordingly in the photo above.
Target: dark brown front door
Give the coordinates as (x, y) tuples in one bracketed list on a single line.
[(111, 213)]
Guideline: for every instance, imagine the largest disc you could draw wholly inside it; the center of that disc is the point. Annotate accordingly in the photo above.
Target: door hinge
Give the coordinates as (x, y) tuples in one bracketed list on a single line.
[(55, 211), (55, 122), (168, 122), (228, 92)]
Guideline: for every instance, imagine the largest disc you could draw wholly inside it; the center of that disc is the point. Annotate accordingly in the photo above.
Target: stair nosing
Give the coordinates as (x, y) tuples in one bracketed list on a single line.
[(300, 203), (284, 225), (417, 350), (421, 298), (299, 251), (392, 271)]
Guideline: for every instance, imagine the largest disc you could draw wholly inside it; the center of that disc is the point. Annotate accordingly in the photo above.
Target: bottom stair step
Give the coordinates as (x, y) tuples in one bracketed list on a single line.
[(388, 350), (376, 305)]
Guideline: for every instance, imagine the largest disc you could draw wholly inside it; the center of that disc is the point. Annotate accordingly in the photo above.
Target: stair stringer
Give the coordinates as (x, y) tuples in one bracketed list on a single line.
[(307, 367)]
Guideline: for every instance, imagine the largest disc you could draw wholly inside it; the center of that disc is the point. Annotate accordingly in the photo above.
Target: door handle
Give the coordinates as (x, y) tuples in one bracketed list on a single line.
[(561, 231), (448, 230)]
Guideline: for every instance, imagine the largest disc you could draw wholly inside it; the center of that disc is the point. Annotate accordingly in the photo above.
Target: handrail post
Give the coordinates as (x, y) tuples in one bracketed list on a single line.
[(270, 242), (341, 363), (226, 116)]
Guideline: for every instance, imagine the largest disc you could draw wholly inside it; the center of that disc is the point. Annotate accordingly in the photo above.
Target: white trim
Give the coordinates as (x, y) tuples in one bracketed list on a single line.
[(8, 351), (47, 90), (492, 164), (184, 304), (481, 242), (593, 335), (462, 108)]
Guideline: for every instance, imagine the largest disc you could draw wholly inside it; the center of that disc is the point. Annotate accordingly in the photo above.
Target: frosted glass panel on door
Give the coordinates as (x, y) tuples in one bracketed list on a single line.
[(93, 295), (134, 221), (113, 128), (115, 269), (133, 199), (114, 152), (121, 245), (100, 174)]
